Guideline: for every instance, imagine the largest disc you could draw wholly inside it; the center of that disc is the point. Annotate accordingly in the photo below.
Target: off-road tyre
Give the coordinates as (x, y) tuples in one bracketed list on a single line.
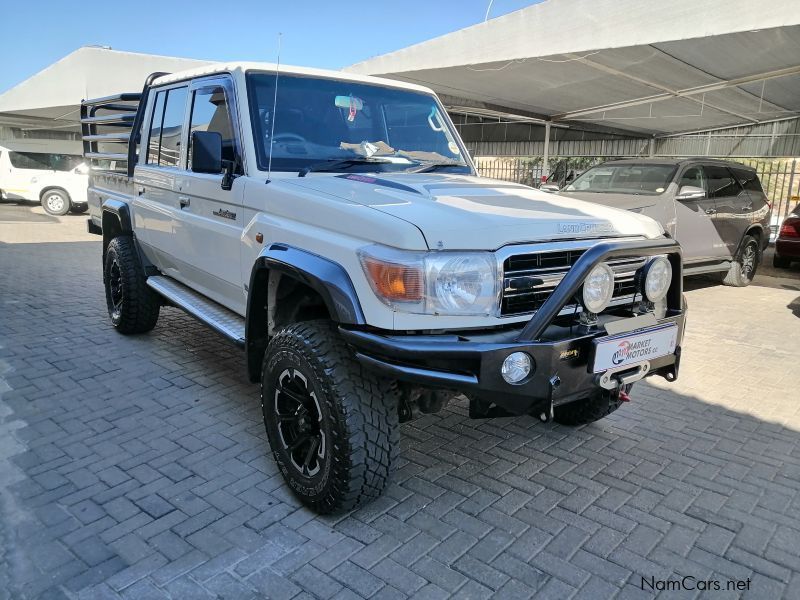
[(587, 410), (55, 202), (743, 267), (352, 411), (132, 306), (781, 262)]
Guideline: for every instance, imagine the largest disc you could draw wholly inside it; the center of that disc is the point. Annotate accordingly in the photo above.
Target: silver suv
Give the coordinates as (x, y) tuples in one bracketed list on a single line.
[(717, 210)]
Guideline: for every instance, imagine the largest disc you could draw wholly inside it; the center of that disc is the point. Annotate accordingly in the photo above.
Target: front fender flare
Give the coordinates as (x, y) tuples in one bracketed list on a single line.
[(329, 279)]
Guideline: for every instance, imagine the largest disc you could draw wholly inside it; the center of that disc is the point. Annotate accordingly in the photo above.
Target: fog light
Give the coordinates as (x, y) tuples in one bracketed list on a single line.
[(516, 367), (598, 288), (657, 278)]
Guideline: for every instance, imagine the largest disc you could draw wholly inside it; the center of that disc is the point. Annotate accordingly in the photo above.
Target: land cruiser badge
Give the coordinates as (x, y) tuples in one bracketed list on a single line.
[(225, 214)]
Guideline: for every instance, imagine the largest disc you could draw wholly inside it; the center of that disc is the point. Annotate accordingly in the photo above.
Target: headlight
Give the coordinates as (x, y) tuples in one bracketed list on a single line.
[(598, 288), (657, 278), (446, 283)]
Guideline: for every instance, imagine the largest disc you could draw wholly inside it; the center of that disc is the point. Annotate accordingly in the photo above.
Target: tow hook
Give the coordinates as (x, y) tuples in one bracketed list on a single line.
[(623, 395)]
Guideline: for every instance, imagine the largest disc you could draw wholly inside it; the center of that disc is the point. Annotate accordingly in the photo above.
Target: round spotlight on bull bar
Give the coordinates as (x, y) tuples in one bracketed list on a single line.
[(598, 288), (516, 367), (657, 277)]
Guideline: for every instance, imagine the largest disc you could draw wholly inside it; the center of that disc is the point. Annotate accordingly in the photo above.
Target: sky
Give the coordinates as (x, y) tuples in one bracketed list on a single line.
[(318, 33)]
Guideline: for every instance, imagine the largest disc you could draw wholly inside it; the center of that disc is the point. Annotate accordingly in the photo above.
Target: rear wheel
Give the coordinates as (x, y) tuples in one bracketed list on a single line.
[(743, 268), (132, 305), (55, 202), (588, 410), (333, 427), (781, 262)]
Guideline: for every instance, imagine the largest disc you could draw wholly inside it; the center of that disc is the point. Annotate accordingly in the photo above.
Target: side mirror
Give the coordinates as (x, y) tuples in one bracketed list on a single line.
[(550, 188), (690, 192), (206, 152)]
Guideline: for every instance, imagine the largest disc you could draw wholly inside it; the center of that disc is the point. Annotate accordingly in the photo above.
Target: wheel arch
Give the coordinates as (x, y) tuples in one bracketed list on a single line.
[(756, 230), (313, 287), (116, 221)]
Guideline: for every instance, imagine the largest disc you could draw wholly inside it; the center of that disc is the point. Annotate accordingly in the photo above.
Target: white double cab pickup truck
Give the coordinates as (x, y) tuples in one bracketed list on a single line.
[(334, 227)]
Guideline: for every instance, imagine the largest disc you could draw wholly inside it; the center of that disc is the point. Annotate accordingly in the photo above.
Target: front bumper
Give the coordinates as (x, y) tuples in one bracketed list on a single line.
[(562, 351)]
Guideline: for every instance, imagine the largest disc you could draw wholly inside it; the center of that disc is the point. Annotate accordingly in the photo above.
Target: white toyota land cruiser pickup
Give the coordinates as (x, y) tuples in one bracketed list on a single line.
[(334, 227)]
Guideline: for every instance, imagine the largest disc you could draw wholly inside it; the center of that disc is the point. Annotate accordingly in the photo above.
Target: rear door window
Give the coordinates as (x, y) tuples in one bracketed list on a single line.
[(166, 130), (720, 181), (748, 179), (154, 142)]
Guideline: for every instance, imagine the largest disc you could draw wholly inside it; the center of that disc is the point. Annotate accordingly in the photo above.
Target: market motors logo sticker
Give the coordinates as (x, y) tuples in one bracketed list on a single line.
[(629, 351)]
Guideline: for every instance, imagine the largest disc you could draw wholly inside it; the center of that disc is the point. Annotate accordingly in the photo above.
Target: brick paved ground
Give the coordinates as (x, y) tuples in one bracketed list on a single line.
[(137, 467)]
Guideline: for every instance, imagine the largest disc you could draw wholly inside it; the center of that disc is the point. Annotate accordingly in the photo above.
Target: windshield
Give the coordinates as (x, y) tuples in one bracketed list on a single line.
[(327, 120), (624, 179)]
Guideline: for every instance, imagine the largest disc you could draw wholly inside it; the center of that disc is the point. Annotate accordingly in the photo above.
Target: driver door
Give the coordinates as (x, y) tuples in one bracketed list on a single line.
[(210, 220), (695, 226)]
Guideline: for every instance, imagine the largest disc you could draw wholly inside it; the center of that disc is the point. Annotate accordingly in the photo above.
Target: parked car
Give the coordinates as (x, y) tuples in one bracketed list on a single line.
[(58, 181), (561, 175), (716, 209), (787, 246), (333, 226)]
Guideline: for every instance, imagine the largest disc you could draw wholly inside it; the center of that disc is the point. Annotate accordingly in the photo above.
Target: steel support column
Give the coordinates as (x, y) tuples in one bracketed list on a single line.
[(546, 154)]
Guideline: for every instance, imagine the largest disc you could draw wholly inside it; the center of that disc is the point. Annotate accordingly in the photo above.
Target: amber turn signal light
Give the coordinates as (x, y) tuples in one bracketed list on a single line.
[(394, 282)]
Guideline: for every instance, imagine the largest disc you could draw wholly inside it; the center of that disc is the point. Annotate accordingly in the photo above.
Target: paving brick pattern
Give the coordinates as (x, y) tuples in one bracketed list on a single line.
[(137, 467)]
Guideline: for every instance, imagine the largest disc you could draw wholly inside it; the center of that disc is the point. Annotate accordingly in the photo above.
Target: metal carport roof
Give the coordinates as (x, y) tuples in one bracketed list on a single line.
[(51, 98), (640, 66)]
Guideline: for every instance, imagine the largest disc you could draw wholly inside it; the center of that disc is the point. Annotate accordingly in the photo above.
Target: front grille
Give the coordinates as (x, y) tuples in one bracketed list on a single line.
[(530, 278)]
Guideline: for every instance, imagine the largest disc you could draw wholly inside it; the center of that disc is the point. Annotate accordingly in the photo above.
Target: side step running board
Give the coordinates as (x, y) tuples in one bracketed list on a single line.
[(708, 268), (219, 318)]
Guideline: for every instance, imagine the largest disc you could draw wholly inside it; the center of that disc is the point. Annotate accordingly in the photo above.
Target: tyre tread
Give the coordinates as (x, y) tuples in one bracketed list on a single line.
[(142, 305), (363, 402)]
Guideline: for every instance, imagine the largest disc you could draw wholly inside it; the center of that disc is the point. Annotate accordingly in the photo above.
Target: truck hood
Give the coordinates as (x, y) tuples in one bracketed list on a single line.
[(622, 201), (458, 212)]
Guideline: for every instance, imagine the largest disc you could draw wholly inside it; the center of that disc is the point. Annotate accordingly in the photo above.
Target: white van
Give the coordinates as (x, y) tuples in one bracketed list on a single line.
[(58, 181)]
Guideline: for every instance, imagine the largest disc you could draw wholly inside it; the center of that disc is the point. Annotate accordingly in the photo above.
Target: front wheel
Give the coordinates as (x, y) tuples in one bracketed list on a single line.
[(743, 268), (132, 305), (55, 202), (333, 426)]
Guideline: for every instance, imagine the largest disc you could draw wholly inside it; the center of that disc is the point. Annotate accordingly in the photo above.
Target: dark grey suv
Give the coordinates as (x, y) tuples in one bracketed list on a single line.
[(716, 209)]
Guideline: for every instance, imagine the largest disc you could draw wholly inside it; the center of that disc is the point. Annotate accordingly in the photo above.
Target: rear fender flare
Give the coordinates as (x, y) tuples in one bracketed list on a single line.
[(116, 220)]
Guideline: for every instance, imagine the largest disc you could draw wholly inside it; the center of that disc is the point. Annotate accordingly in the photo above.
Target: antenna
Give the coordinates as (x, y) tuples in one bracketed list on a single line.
[(274, 108)]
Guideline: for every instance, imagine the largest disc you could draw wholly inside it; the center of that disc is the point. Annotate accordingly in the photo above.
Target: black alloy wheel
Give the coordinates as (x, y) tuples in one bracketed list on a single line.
[(299, 422)]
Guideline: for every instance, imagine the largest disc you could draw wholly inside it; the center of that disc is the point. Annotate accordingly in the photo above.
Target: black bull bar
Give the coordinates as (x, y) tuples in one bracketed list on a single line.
[(471, 362)]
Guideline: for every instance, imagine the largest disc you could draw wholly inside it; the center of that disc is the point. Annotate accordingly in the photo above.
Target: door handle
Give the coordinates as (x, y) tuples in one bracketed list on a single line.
[(711, 211), (184, 200), (141, 190)]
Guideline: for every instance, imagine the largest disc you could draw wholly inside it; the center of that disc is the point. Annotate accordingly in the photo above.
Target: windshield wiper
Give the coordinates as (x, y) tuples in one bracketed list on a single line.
[(333, 164), (433, 166)]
